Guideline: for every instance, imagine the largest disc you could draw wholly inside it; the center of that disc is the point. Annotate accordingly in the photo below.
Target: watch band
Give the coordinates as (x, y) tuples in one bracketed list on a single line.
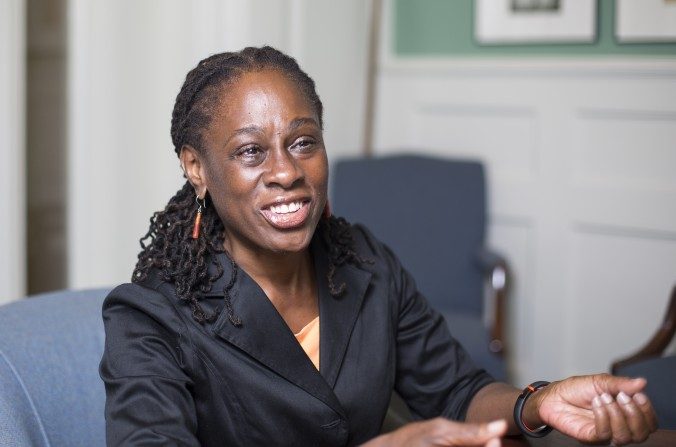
[(518, 411)]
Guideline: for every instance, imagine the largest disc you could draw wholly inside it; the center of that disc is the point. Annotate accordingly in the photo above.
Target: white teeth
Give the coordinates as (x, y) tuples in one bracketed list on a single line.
[(286, 208)]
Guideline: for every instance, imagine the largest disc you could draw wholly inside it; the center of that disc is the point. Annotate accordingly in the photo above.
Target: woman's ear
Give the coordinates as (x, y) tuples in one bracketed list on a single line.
[(193, 169)]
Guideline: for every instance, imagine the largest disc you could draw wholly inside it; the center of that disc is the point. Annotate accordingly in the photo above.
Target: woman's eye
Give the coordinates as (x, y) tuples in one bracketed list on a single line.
[(251, 154), (304, 144)]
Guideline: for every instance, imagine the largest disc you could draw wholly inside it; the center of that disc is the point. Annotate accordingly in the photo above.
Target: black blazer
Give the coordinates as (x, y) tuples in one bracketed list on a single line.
[(172, 381)]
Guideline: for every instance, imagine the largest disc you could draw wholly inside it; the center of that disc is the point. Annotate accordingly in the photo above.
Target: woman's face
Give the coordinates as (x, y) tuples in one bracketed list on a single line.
[(265, 165)]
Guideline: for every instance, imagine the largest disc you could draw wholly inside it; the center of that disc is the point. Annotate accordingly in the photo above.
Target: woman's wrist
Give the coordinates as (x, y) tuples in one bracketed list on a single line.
[(531, 411), (527, 416)]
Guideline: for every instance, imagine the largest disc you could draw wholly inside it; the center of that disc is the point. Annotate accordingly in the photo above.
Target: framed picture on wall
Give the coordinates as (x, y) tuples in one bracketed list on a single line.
[(645, 21), (534, 21)]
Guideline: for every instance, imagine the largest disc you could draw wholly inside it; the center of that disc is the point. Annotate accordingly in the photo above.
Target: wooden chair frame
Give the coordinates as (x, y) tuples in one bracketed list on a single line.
[(659, 341)]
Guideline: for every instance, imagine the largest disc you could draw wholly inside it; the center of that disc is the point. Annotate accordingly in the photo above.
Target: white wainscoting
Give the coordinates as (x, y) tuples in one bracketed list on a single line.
[(581, 164), (12, 150)]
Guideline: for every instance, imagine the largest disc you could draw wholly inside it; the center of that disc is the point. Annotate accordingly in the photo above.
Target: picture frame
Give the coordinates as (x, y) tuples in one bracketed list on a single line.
[(643, 21), (534, 21)]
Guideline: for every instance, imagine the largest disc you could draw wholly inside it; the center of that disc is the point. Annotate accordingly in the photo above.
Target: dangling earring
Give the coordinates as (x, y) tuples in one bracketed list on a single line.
[(327, 210), (198, 217)]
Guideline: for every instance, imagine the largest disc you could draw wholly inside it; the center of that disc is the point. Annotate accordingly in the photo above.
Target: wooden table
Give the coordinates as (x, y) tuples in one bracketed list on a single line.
[(661, 438)]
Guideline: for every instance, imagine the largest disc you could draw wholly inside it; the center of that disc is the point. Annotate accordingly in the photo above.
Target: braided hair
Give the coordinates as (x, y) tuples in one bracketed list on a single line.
[(168, 247)]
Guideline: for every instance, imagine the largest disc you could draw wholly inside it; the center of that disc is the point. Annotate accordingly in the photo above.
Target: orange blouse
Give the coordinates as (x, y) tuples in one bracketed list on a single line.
[(308, 337)]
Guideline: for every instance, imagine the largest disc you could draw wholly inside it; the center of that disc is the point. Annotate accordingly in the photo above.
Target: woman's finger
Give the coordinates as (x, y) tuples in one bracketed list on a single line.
[(614, 384), (453, 434), (444, 432), (601, 420), (644, 405), (621, 432), (634, 416)]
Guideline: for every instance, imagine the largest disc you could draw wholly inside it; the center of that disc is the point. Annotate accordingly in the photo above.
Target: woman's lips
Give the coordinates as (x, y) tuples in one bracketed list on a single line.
[(287, 215)]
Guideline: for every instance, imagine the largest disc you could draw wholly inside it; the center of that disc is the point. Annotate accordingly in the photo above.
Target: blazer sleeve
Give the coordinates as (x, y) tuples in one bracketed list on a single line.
[(434, 373), (146, 371)]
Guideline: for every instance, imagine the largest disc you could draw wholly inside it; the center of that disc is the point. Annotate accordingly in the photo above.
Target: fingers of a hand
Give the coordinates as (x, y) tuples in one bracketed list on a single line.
[(605, 383), (634, 416), (618, 424), (601, 420), (495, 442), (644, 405), (453, 433)]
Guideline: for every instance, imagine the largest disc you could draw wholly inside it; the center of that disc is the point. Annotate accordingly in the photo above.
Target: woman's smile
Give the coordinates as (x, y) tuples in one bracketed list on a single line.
[(287, 214)]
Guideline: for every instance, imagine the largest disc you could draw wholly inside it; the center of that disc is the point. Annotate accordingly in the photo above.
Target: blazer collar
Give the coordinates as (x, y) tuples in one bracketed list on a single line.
[(337, 315), (265, 336)]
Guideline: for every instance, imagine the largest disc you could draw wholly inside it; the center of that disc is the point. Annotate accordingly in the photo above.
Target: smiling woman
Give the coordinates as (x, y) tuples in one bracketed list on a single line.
[(264, 165), (254, 317)]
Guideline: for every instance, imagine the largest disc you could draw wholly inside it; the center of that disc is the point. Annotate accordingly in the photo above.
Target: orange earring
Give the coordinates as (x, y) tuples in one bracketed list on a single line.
[(198, 217), (327, 210)]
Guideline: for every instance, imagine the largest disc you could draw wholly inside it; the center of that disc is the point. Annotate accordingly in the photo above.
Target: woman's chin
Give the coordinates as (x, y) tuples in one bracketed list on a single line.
[(289, 240), (292, 243)]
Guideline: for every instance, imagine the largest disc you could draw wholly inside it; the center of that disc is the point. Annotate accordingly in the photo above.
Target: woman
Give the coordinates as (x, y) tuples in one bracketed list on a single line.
[(217, 340)]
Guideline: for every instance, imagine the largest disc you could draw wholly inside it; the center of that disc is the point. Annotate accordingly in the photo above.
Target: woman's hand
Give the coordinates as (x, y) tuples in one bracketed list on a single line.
[(595, 408), (443, 432)]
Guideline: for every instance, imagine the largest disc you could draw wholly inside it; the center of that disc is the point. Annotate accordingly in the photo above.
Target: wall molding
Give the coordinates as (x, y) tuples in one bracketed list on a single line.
[(575, 67)]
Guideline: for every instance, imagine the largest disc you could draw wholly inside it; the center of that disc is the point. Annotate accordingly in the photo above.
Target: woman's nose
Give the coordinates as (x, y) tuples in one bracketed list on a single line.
[(283, 169)]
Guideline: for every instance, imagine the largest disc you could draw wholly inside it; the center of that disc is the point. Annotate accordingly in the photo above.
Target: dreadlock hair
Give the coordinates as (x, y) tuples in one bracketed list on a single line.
[(168, 247)]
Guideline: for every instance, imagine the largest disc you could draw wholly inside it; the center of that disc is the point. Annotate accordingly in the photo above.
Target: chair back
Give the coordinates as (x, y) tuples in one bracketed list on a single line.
[(50, 390), (430, 211)]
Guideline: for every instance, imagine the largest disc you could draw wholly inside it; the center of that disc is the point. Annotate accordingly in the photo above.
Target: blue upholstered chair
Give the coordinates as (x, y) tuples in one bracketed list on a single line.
[(659, 371), (432, 213), (50, 390)]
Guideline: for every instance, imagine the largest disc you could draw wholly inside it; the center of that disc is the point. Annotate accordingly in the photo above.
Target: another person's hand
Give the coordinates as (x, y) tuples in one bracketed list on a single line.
[(597, 408), (443, 432)]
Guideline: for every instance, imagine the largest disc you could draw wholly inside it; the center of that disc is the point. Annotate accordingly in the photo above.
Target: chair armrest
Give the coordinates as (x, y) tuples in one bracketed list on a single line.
[(497, 274), (658, 342), (20, 423)]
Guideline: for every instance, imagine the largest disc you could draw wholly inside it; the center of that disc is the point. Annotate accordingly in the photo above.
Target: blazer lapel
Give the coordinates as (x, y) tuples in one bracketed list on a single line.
[(265, 336), (337, 315)]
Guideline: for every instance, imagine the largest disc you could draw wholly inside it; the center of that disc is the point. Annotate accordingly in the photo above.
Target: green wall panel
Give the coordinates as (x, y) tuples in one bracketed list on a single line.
[(446, 28)]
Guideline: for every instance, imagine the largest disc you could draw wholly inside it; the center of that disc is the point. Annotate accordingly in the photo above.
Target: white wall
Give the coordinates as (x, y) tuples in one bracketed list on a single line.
[(12, 190), (581, 163), (128, 59)]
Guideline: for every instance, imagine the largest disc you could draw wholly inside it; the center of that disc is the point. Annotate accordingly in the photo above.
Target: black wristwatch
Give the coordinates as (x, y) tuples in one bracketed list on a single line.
[(518, 411)]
